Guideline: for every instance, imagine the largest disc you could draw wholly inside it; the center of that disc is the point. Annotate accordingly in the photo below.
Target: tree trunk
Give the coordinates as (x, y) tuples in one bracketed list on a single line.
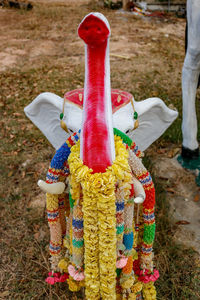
[(126, 4)]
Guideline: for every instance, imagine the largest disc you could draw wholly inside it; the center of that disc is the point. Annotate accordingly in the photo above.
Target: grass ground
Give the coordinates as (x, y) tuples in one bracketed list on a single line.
[(40, 51)]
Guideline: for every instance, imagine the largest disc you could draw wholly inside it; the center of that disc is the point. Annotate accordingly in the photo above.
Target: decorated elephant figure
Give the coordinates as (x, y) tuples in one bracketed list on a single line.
[(102, 226)]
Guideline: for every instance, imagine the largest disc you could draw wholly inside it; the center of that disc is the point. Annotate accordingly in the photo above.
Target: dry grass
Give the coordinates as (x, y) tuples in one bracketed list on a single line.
[(41, 52)]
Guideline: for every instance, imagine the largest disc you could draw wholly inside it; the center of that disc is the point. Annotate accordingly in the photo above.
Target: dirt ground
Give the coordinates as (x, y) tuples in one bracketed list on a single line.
[(40, 51), (56, 42)]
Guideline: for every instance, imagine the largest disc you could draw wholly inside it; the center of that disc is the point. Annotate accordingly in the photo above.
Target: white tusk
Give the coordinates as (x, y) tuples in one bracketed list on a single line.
[(139, 200), (51, 188), (139, 191)]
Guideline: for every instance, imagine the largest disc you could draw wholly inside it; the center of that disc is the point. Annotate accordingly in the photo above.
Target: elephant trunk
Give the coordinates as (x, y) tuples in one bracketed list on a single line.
[(97, 140)]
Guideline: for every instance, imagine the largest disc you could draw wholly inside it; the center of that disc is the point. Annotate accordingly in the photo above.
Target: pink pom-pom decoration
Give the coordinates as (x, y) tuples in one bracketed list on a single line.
[(71, 270), (121, 262), (155, 275), (50, 280), (79, 276), (75, 274), (149, 277), (56, 277)]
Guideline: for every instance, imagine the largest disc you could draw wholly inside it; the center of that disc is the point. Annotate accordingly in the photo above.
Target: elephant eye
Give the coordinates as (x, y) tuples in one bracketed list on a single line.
[(61, 116), (135, 115)]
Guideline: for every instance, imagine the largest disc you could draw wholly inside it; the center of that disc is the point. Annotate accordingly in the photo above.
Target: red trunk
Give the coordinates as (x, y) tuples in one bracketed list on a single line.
[(96, 147)]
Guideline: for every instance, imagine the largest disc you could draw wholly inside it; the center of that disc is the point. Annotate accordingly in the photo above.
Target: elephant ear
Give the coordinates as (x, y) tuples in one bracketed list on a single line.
[(44, 111), (154, 118)]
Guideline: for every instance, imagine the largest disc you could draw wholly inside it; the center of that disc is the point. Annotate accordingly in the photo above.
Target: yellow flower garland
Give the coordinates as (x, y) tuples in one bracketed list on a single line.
[(75, 286), (99, 218), (149, 291), (63, 265)]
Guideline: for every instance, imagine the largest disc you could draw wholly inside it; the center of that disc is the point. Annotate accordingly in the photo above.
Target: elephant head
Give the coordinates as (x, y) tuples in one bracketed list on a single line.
[(153, 115), (51, 113)]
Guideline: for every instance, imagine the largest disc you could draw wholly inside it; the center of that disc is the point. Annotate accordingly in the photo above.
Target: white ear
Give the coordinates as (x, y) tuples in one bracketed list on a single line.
[(44, 112), (154, 118)]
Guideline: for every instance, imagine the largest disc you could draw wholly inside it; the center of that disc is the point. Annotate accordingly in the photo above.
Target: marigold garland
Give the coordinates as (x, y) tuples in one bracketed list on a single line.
[(149, 291), (100, 227), (75, 286), (129, 266)]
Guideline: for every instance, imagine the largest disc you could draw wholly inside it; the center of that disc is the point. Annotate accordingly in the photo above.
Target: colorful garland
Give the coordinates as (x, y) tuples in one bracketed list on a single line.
[(110, 192), (148, 221)]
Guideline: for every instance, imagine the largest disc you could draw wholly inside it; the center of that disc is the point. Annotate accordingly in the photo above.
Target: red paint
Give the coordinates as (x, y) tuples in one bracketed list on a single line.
[(70, 141), (132, 191), (93, 31), (119, 98), (95, 134)]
